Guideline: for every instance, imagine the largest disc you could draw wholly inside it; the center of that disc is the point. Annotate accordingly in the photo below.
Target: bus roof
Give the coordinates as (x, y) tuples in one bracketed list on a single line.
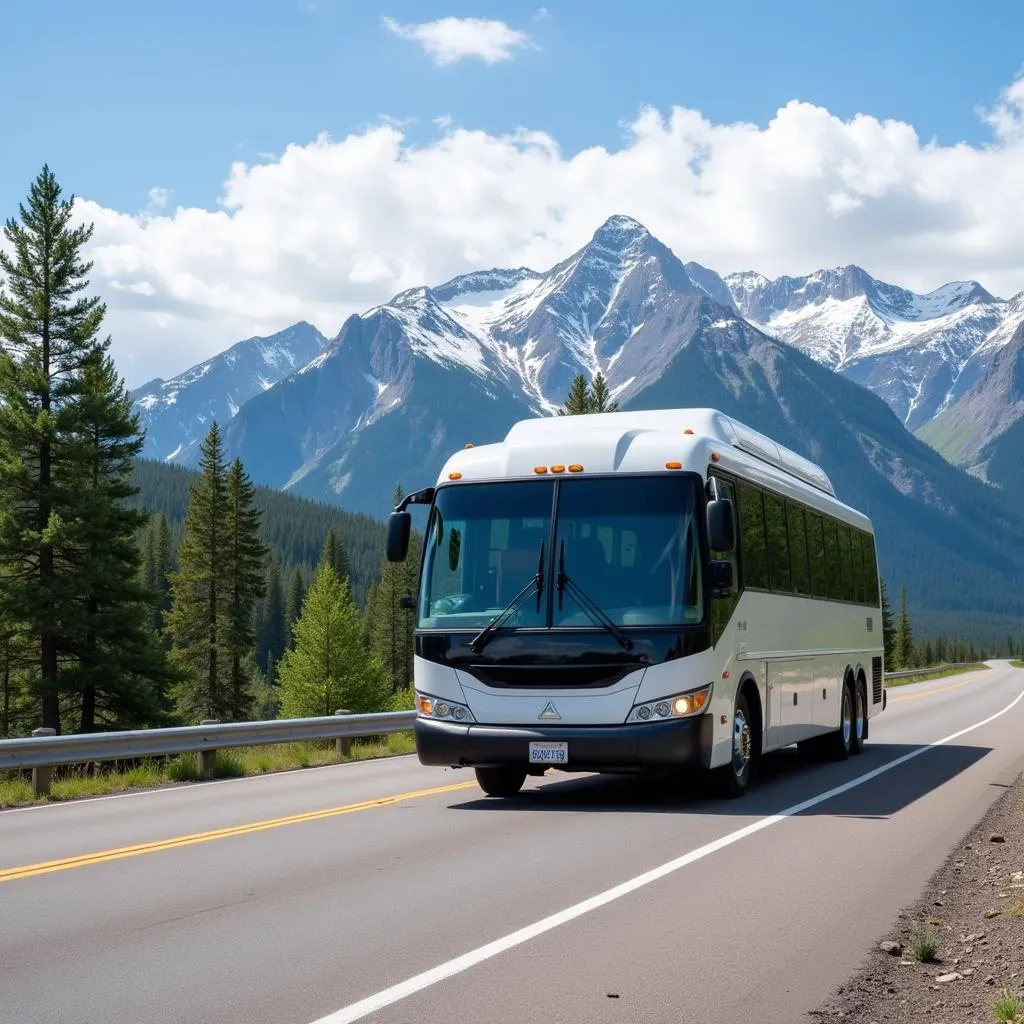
[(642, 441)]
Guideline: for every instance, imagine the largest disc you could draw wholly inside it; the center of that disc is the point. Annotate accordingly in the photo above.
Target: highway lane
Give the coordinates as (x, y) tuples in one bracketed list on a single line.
[(294, 922)]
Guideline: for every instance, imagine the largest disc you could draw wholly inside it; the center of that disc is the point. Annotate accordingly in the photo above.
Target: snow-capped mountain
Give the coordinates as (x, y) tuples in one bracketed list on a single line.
[(918, 352), (177, 413), (407, 382)]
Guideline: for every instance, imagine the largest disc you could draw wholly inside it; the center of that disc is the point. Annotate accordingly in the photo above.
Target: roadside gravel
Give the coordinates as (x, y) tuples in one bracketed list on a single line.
[(973, 908)]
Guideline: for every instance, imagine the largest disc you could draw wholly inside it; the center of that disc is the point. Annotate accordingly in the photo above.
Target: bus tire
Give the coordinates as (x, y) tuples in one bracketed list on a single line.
[(501, 781), (731, 780), (860, 717), (839, 744)]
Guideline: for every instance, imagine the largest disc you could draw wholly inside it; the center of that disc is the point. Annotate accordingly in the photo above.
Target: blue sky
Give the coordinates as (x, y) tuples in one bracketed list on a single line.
[(167, 94)]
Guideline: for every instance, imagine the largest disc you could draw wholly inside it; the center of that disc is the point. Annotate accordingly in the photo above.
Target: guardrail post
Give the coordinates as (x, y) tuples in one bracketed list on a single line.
[(208, 758), (343, 744), (43, 774)]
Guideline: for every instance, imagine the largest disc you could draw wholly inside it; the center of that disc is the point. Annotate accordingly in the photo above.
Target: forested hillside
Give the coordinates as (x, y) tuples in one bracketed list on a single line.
[(294, 529)]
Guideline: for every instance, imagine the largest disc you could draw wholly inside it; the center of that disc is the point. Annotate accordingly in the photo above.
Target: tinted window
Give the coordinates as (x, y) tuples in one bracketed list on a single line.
[(798, 550), (858, 564), (870, 568), (755, 553), (633, 548), (816, 551), (483, 545), (722, 607), (849, 590), (835, 578), (778, 543)]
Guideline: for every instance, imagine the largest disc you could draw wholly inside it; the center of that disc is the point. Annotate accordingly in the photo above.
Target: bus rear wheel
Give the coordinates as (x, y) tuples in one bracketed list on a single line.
[(860, 718), (501, 781), (838, 745)]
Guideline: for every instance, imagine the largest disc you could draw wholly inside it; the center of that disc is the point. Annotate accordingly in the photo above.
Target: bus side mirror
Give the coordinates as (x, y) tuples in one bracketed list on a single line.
[(399, 528), (721, 579), (721, 535)]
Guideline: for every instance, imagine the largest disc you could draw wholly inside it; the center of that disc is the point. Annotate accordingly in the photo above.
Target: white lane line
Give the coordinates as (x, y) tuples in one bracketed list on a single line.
[(363, 1008)]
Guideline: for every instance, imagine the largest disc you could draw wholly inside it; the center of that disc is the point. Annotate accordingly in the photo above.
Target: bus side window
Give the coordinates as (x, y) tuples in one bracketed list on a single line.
[(778, 543), (754, 549), (723, 607)]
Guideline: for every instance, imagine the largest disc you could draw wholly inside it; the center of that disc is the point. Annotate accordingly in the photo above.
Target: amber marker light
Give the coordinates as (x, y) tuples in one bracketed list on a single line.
[(575, 468), (470, 445), (673, 465), (426, 706), (715, 456), (454, 476), (558, 469), (540, 470), (688, 431)]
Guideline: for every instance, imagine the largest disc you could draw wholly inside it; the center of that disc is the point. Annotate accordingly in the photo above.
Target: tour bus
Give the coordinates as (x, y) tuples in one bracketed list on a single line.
[(634, 591)]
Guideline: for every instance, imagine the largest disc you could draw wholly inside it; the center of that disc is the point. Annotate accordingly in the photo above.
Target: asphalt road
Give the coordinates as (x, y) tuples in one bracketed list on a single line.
[(586, 900)]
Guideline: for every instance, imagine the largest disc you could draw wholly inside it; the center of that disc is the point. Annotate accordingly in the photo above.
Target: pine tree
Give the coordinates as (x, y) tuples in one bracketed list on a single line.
[(584, 398), (577, 402), (336, 556), (244, 582), (273, 638), (888, 627), (119, 669), (327, 668), (48, 333), (390, 627), (294, 598), (163, 566), (600, 400), (903, 649), (15, 654), (199, 598)]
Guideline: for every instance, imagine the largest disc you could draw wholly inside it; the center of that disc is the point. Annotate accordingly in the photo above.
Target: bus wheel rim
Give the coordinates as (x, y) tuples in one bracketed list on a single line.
[(741, 743), (847, 716)]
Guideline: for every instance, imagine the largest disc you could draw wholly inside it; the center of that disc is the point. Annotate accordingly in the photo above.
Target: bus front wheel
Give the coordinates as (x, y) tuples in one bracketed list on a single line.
[(732, 779), (501, 781)]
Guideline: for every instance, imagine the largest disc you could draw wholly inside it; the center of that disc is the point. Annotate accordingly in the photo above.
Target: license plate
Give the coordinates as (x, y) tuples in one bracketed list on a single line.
[(549, 753)]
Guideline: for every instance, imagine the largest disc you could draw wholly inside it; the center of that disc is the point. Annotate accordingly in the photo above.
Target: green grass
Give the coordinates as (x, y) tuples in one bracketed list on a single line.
[(959, 670), (924, 943), (1017, 664), (1008, 1008), (74, 783)]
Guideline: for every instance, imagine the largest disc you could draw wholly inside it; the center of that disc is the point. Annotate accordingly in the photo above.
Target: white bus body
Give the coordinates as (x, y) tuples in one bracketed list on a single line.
[(644, 648)]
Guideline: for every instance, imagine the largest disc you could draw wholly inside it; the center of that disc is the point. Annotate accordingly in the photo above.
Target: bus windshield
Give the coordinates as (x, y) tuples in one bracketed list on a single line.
[(630, 544)]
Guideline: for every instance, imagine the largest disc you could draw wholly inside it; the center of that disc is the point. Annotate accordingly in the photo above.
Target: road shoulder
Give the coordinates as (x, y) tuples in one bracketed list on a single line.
[(973, 907)]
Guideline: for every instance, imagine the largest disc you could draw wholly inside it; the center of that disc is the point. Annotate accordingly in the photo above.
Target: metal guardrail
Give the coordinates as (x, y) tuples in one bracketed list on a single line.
[(935, 670), (43, 750)]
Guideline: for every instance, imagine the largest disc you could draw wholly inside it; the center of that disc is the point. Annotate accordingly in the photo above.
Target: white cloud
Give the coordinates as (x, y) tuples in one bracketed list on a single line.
[(334, 227), (449, 40)]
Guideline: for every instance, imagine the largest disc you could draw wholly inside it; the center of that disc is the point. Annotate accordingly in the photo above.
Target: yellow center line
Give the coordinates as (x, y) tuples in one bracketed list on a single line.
[(102, 856), (929, 693)]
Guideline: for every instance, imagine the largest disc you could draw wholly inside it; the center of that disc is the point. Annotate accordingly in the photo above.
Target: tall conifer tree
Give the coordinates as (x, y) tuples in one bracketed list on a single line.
[(244, 582), (48, 333), (199, 597), (119, 669)]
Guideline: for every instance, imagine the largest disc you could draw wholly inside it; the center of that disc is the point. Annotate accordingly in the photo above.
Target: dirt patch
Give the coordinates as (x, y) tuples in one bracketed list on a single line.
[(973, 911)]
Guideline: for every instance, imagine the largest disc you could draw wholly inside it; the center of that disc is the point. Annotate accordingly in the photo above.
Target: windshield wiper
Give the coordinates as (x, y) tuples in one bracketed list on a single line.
[(536, 583), (587, 603)]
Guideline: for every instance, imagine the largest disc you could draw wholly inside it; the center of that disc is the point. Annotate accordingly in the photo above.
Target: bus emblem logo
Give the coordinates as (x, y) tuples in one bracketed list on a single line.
[(550, 711)]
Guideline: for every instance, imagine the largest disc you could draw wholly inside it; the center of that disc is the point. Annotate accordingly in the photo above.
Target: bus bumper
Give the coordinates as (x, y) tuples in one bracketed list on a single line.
[(671, 744)]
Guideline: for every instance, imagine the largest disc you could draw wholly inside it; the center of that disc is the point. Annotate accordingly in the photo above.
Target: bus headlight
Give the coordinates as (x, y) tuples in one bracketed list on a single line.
[(444, 710), (682, 705)]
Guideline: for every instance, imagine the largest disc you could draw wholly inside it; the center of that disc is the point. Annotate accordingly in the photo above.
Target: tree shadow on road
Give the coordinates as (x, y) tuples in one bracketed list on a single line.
[(786, 780)]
